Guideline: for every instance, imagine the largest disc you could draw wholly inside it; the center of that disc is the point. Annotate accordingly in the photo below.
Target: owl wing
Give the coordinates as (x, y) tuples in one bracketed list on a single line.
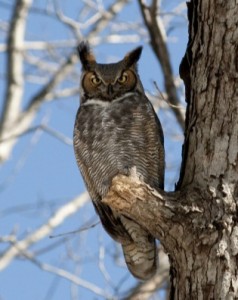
[(108, 142), (110, 221), (147, 134)]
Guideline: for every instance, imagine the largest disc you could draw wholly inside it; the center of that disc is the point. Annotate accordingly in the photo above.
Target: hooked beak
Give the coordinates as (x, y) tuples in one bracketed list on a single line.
[(110, 89)]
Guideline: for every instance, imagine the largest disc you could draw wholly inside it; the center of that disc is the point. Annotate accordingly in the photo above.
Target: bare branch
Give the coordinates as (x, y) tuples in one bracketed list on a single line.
[(63, 212), (43, 127), (159, 212), (157, 39), (65, 274), (72, 24), (115, 8), (101, 264), (81, 229), (22, 159), (15, 82), (21, 121), (110, 38), (73, 278), (43, 45)]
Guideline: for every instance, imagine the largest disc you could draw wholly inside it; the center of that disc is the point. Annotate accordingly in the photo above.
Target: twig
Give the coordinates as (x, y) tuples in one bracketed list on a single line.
[(73, 278), (60, 215), (65, 274), (81, 229), (45, 128)]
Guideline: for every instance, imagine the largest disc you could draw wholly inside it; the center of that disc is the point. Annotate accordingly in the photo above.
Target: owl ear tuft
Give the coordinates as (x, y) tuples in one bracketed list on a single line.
[(86, 56), (132, 57)]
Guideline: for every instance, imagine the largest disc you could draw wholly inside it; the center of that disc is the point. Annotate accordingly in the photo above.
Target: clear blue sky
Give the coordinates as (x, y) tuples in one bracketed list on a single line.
[(42, 174)]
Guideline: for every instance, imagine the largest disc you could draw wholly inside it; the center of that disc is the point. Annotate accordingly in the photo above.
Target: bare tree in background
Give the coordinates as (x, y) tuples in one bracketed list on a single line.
[(51, 64)]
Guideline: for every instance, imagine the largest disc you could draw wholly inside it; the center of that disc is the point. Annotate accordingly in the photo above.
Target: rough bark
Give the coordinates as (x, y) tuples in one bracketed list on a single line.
[(197, 224)]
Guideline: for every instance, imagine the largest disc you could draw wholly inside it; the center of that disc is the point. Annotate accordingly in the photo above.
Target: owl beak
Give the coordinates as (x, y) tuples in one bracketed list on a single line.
[(110, 90)]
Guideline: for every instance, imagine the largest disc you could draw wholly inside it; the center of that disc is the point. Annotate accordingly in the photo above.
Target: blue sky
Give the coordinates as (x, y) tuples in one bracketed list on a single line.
[(41, 174)]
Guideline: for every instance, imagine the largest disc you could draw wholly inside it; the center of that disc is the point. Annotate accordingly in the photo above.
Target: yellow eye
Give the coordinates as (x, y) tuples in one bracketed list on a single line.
[(123, 78), (95, 80)]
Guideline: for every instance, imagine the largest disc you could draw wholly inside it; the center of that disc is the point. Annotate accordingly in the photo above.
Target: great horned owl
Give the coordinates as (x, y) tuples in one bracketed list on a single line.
[(116, 128)]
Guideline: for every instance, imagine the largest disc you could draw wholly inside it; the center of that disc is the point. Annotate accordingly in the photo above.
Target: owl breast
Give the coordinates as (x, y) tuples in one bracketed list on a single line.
[(109, 139), (112, 137)]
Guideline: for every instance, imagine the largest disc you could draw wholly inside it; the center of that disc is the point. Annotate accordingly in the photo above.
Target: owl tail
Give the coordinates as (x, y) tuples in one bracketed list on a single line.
[(140, 251)]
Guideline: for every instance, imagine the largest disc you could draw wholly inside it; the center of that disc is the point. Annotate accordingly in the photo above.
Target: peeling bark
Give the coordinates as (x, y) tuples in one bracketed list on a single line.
[(197, 224)]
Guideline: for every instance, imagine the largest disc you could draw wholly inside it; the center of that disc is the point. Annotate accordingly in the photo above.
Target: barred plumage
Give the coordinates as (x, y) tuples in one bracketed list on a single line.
[(116, 128)]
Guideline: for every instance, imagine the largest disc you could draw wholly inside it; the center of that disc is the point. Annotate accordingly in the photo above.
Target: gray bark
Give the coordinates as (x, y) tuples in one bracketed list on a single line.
[(197, 224)]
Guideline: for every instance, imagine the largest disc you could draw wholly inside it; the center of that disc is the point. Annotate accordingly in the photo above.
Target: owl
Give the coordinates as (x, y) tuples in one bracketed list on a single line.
[(116, 129)]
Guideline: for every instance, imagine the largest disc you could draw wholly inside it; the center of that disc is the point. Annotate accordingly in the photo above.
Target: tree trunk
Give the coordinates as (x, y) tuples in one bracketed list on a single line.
[(210, 162), (197, 224)]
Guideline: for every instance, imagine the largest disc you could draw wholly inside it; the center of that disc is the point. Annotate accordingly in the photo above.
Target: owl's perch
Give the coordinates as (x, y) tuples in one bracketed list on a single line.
[(163, 214)]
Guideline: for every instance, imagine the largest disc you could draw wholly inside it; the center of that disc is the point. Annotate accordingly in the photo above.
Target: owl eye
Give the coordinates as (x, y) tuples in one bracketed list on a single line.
[(95, 80), (123, 78)]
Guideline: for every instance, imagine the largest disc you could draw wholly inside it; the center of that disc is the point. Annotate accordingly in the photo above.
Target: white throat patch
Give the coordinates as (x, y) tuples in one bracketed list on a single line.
[(106, 103)]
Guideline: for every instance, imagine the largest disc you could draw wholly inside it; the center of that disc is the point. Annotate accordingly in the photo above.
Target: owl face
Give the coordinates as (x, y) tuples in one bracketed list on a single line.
[(107, 82)]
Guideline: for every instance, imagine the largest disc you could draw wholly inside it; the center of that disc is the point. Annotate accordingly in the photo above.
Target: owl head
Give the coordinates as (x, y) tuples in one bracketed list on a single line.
[(108, 82)]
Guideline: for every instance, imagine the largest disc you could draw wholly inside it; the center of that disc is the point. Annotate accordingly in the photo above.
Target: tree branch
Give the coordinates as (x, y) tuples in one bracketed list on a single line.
[(69, 276), (160, 213), (15, 82), (157, 39), (10, 126), (44, 231)]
